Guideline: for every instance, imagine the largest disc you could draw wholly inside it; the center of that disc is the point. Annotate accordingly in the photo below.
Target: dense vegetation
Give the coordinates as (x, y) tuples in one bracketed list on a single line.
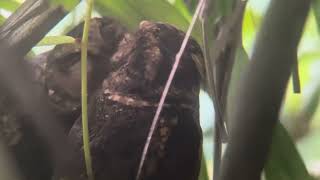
[(260, 68)]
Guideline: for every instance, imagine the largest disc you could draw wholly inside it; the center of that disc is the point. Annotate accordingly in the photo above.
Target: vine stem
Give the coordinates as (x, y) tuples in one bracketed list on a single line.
[(84, 90), (167, 87)]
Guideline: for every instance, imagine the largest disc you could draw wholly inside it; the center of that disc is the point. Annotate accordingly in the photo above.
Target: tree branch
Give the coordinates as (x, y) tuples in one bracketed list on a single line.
[(21, 31), (29, 24), (262, 88)]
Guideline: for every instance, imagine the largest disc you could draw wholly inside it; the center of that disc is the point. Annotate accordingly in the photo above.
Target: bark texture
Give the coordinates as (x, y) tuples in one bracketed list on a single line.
[(261, 90)]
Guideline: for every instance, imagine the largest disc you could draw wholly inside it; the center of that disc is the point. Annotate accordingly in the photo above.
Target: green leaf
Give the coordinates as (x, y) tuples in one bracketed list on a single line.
[(310, 147), (183, 9), (70, 21), (316, 11), (219, 9), (310, 107), (224, 7), (191, 4), (121, 10), (55, 40), (2, 19), (203, 171), (250, 25), (9, 5), (285, 162), (67, 4), (132, 12)]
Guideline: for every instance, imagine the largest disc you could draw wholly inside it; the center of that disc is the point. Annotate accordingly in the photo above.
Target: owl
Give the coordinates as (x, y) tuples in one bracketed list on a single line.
[(62, 69), (57, 73), (121, 112)]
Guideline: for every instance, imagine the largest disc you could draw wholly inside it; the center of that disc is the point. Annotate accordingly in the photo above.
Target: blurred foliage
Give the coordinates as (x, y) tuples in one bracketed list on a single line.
[(300, 112), (132, 12), (183, 9), (285, 163), (250, 23), (2, 19), (67, 4), (55, 40), (9, 5), (316, 10), (224, 7), (203, 171)]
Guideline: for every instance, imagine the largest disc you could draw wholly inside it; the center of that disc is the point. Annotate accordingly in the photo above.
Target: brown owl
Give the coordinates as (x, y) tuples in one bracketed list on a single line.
[(62, 71), (121, 113), (57, 72)]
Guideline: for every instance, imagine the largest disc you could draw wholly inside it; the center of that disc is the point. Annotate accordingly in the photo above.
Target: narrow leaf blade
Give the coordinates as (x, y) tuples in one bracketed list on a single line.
[(55, 40), (204, 170), (67, 4), (316, 11), (131, 14), (285, 162)]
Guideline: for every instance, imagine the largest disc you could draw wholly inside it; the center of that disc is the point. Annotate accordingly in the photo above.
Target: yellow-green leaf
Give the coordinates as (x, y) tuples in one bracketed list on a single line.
[(316, 11), (67, 4), (203, 171), (55, 40), (132, 12), (9, 5)]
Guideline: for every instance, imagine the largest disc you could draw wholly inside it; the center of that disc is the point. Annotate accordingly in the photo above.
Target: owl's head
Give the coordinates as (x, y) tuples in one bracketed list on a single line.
[(63, 66), (159, 44)]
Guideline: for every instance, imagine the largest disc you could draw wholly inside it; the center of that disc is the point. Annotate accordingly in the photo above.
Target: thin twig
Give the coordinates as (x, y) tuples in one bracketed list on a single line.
[(210, 80), (84, 91), (167, 86), (209, 74), (21, 31), (219, 59)]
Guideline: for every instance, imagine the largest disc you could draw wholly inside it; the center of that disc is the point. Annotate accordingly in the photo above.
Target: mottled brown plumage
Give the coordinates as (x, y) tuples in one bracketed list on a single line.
[(57, 73), (120, 115), (62, 72)]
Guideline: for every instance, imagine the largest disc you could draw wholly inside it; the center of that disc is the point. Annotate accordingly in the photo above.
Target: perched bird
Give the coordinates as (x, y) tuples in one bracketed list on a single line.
[(57, 73), (62, 70), (121, 113)]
